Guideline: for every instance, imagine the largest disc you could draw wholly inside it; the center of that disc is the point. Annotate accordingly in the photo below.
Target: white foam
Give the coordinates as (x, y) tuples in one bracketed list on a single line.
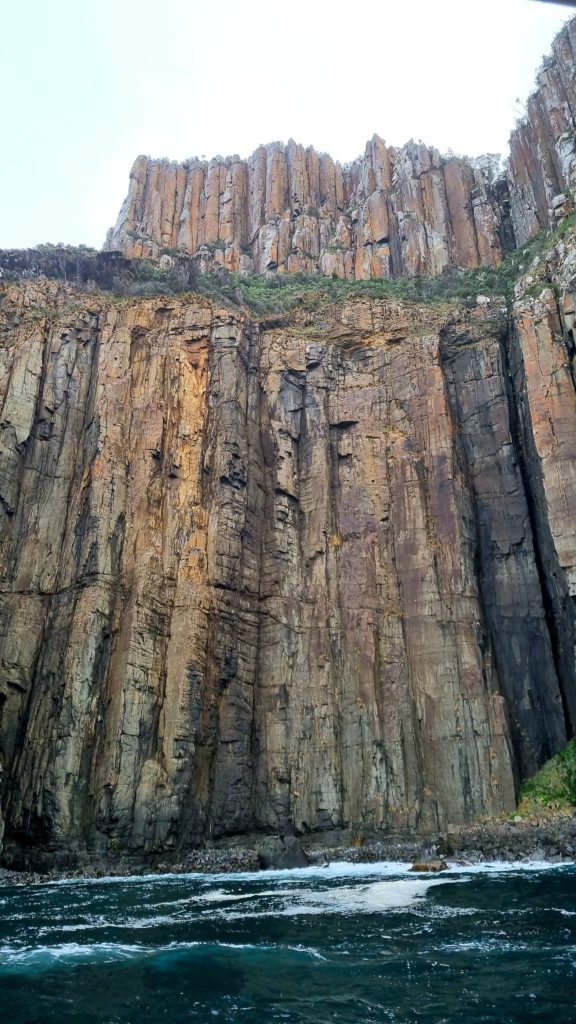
[(359, 899), (219, 896), (362, 898), (337, 869), (65, 952), (506, 866), (387, 895), (484, 946)]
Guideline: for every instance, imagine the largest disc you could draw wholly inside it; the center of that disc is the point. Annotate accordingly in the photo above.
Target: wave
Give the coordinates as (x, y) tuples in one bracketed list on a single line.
[(503, 945), (15, 958), (506, 866), (333, 870), (377, 888), (66, 952)]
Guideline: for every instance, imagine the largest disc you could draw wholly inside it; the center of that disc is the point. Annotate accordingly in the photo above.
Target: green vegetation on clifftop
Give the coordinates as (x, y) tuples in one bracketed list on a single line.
[(276, 293)]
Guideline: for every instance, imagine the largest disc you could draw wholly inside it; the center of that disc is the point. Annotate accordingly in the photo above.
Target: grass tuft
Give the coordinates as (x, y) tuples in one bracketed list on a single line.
[(554, 786)]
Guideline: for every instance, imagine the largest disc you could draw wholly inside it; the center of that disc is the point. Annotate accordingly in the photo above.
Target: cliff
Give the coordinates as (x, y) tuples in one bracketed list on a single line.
[(287, 209), (300, 571), (394, 212), (542, 166), (284, 575)]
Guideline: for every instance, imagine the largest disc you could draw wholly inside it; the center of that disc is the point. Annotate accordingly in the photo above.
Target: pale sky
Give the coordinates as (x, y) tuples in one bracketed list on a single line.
[(87, 85)]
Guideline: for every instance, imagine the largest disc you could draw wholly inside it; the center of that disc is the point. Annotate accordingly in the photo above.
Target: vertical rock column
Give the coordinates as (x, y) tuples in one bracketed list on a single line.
[(508, 574), (542, 160), (288, 210), (541, 364)]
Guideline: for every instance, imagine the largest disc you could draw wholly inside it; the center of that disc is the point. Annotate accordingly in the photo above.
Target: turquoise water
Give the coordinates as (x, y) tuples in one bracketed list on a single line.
[(350, 943)]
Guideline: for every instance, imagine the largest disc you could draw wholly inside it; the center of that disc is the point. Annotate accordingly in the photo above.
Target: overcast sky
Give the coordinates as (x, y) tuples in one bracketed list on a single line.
[(87, 85)]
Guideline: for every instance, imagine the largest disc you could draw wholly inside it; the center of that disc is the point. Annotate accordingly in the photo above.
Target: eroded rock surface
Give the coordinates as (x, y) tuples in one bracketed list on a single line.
[(308, 573)]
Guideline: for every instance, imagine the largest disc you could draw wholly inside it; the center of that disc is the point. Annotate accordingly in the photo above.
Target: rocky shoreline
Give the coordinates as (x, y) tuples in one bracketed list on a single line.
[(549, 837)]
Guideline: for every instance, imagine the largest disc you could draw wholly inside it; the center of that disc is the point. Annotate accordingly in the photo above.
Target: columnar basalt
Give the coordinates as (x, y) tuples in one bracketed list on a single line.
[(279, 576), (542, 165), (394, 212)]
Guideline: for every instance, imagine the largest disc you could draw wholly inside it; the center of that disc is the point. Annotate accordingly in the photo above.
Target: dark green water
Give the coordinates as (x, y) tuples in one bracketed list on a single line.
[(369, 943)]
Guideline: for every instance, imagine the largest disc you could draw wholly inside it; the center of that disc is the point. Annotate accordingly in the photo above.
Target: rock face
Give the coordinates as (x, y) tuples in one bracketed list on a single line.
[(312, 572), (394, 212), (542, 163)]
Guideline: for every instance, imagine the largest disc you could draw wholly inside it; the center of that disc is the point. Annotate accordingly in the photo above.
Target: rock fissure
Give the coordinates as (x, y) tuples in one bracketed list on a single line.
[(560, 621)]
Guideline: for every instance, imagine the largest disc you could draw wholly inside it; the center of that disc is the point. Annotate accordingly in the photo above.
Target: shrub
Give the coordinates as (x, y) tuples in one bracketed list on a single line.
[(555, 783), (276, 293)]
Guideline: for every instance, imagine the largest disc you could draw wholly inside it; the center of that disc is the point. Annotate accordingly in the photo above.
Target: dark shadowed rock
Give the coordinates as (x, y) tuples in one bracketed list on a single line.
[(282, 852)]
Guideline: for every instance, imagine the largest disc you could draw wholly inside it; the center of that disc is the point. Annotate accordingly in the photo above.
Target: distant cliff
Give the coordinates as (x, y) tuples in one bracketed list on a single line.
[(287, 209), (542, 164), (393, 212)]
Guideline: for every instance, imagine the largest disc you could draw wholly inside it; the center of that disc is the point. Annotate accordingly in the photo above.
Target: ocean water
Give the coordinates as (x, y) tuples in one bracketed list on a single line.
[(349, 943)]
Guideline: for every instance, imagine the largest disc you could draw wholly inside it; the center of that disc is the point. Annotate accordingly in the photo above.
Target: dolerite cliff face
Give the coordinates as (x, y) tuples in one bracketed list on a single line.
[(394, 212), (542, 165), (310, 572)]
